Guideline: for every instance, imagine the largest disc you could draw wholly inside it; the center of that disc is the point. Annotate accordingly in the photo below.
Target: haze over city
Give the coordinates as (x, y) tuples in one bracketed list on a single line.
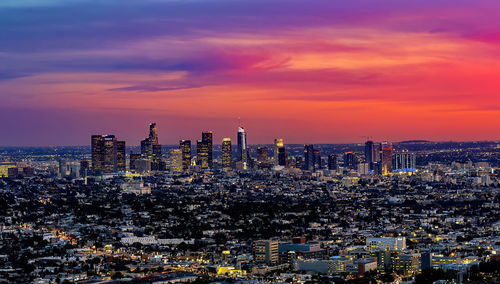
[(308, 71)]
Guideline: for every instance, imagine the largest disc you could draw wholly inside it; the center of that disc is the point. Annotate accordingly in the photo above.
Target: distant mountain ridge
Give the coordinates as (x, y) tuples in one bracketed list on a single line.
[(415, 141)]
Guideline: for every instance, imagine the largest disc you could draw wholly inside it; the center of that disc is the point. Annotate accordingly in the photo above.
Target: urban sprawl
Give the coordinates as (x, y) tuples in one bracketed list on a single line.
[(376, 212)]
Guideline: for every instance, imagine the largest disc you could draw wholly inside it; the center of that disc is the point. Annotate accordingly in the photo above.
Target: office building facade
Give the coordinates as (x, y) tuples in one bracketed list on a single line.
[(185, 147), (227, 155), (105, 153)]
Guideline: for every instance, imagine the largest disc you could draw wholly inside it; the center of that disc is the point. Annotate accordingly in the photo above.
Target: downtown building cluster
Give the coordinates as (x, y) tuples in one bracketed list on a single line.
[(109, 156)]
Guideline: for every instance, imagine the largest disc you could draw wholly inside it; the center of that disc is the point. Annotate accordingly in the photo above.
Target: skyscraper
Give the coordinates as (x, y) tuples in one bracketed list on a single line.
[(153, 135), (207, 138), (97, 147), (132, 158), (317, 159), (121, 163), (369, 153), (242, 146), (278, 142), (104, 154), (185, 147), (110, 154), (282, 157), (226, 154), (386, 157), (349, 160), (150, 149), (332, 162), (309, 157), (202, 154), (175, 160), (262, 154), (84, 168)]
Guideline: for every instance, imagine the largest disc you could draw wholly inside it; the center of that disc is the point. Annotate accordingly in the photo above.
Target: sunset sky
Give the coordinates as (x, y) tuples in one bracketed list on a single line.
[(307, 71)]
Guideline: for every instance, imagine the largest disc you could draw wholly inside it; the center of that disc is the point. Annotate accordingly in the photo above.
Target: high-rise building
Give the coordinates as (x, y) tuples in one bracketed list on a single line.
[(404, 161), (153, 134), (97, 148), (110, 154), (150, 149), (84, 168), (363, 168), (121, 164), (309, 157), (242, 146), (278, 143), (386, 158), (132, 158), (202, 154), (349, 160), (317, 159), (142, 165), (104, 154), (377, 153), (185, 147), (291, 162), (175, 160), (262, 154), (370, 153), (227, 154), (265, 251), (207, 138), (332, 162), (282, 157)]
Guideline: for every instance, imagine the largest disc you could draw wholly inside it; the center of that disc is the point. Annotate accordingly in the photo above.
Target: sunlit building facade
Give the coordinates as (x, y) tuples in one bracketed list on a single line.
[(202, 154), (207, 138), (226, 154), (104, 153), (185, 147), (4, 168), (175, 161), (278, 143), (386, 157)]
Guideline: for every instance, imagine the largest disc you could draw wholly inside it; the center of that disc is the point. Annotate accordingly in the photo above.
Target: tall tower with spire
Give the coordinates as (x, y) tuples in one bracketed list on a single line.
[(153, 136), (150, 149), (242, 146)]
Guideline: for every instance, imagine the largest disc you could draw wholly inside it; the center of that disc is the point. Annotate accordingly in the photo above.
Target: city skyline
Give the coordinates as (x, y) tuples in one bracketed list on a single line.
[(322, 72), (219, 139), (250, 141)]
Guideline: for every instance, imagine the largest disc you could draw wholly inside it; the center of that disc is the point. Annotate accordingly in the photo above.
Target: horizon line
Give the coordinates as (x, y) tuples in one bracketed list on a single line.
[(256, 144)]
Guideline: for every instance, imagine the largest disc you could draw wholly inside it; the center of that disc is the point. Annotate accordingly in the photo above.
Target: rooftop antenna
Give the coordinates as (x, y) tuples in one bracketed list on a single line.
[(366, 137)]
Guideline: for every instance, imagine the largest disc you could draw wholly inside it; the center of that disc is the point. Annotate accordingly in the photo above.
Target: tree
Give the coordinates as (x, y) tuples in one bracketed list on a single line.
[(117, 275)]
